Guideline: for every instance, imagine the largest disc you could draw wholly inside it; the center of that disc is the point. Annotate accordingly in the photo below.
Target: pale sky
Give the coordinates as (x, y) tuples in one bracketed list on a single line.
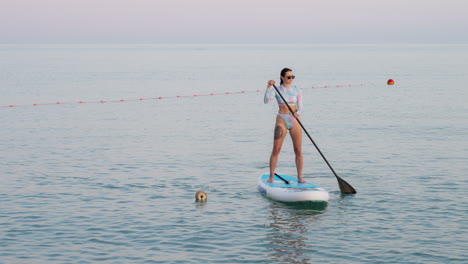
[(234, 21)]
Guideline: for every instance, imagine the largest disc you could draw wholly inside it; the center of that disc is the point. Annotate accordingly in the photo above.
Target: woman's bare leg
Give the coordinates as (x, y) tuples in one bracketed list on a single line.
[(296, 136), (280, 134)]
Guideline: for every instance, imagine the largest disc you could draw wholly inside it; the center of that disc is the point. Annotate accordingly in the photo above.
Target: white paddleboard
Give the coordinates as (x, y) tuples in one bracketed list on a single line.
[(292, 192)]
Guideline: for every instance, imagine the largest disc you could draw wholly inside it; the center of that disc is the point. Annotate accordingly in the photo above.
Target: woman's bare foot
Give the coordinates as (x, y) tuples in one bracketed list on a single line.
[(300, 180), (270, 180)]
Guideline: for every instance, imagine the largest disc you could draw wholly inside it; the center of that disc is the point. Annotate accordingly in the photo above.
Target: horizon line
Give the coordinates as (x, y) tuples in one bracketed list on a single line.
[(227, 43)]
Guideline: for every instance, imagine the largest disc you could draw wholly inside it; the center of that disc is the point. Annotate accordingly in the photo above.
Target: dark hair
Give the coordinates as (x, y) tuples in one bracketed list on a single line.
[(283, 73)]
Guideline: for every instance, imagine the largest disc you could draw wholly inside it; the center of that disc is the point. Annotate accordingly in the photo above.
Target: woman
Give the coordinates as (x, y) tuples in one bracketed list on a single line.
[(286, 121)]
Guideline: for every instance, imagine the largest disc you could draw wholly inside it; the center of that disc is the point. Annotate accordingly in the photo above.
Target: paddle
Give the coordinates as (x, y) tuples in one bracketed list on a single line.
[(285, 181), (344, 186)]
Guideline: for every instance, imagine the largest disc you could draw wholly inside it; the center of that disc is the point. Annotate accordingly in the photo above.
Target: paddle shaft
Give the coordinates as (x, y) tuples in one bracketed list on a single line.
[(283, 179), (344, 186)]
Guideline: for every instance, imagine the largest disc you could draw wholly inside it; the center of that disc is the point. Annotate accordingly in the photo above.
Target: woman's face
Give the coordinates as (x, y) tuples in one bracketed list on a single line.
[(288, 77)]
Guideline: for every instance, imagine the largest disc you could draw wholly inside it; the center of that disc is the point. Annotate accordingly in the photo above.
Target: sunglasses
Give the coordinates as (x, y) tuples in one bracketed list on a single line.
[(290, 77)]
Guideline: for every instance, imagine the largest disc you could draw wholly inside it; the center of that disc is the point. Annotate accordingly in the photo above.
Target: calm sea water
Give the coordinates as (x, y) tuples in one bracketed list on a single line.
[(115, 182)]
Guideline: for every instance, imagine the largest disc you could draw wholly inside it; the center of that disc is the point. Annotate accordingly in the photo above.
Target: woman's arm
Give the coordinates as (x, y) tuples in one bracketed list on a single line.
[(299, 100), (269, 92)]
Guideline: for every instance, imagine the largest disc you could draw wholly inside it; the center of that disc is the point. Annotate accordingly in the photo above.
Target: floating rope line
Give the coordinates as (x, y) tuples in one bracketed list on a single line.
[(161, 97)]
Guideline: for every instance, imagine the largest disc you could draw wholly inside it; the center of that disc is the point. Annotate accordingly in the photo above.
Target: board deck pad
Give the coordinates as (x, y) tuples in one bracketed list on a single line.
[(277, 182)]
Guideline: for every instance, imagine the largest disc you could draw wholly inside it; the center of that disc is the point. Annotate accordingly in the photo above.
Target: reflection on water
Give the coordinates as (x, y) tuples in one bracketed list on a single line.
[(287, 238), (200, 205)]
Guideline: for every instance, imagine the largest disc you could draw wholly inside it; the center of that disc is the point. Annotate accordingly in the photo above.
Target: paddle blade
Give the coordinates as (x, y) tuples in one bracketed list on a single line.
[(345, 187)]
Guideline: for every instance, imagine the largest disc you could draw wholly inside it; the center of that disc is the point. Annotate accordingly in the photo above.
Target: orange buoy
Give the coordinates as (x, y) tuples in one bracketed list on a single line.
[(390, 82)]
